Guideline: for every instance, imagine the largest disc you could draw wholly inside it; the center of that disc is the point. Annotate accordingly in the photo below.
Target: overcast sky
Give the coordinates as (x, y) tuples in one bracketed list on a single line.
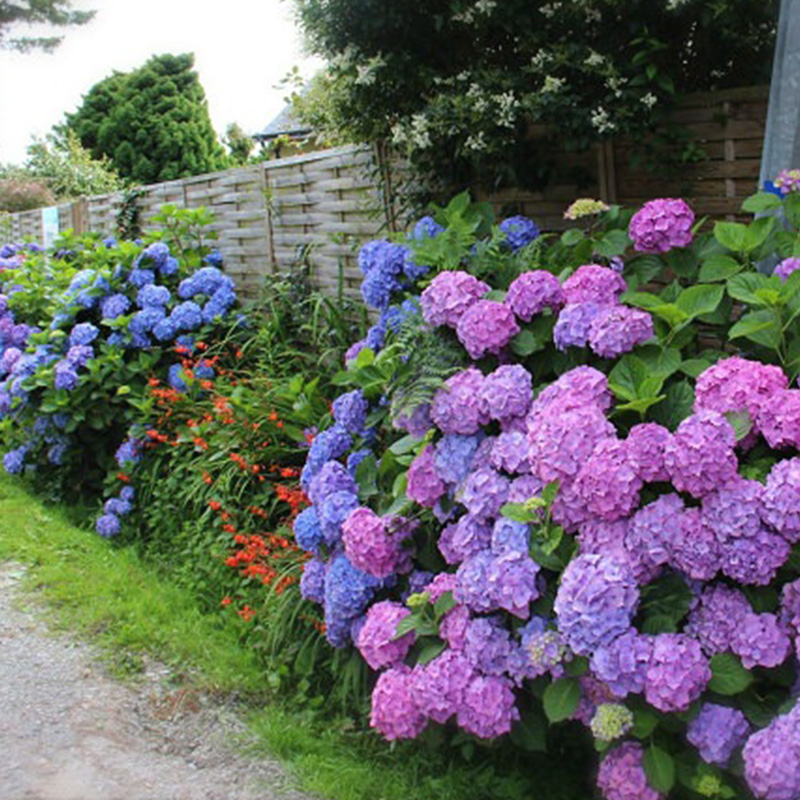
[(243, 48)]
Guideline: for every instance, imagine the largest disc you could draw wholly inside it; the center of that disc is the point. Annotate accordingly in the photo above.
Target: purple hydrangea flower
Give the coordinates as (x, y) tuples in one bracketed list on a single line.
[(786, 268), (755, 560), (486, 327), (510, 453), (449, 295), (454, 457), (781, 499), (716, 732), (439, 685), (371, 544), (507, 392), (622, 663), (779, 419), (645, 445), (622, 775), (700, 455), (418, 423), (694, 548), (465, 538), (560, 443), (332, 512), (519, 231), (772, 759), (738, 384), (376, 640), (488, 707), (592, 283), (350, 411), (574, 324), (713, 622), (618, 329), (760, 640), (734, 510), (509, 536), (483, 493), (531, 292), (677, 674), (608, 482), (487, 645), (660, 225), (65, 376), (424, 486), (595, 603), (395, 712), (456, 407), (578, 388)]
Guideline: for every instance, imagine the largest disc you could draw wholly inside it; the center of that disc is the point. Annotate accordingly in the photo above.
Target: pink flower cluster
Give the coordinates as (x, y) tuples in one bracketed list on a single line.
[(660, 225)]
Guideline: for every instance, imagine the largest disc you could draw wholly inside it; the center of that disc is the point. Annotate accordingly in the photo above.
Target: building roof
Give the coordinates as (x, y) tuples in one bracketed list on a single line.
[(285, 123)]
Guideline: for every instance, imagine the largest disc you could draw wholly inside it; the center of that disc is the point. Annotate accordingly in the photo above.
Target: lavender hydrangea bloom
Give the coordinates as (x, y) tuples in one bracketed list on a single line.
[(418, 423), (456, 407), (371, 543), (543, 649), (786, 268), (108, 525), (578, 388), (760, 640), (595, 603), (755, 560), (486, 327), (531, 292), (574, 324), (327, 445), (677, 674), (395, 713), (511, 580), (488, 708), (694, 547), (454, 456), (308, 531), (507, 392), (426, 228), (622, 663), (449, 295), (439, 685), (781, 499), (519, 231), (312, 581), (622, 775), (483, 493), (424, 486), (14, 460), (618, 329), (772, 759), (790, 607), (465, 538), (473, 580), (700, 455), (453, 627), (660, 225), (713, 622), (560, 443), (79, 355), (510, 453), (645, 445), (738, 384), (129, 452), (779, 419), (9, 359), (716, 732), (509, 536), (608, 482), (65, 376), (487, 645), (376, 640), (593, 283), (734, 510), (350, 411)]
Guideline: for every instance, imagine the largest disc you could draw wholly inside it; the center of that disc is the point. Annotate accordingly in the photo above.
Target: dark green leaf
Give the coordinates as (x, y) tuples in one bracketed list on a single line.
[(571, 237), (444, 604), (405, 445), (762, 327), (614, 243), (728, 676), (627, 377), (659, 768), (744, 287), (761, 202), (561, 699), (525, 344), (430, 650), (695, 366), (732, 235), (530, 733), (701, 299), (644, 723)]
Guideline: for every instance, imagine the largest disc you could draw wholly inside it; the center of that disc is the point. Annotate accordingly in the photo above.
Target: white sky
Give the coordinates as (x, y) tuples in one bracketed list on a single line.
[(243, 48)]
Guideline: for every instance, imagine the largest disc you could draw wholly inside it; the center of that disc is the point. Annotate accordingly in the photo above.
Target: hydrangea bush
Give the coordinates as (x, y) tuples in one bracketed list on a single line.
[(562, 484), (76, 359)]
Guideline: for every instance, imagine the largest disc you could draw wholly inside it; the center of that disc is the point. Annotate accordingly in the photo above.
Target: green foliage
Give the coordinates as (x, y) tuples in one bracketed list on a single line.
[(455, 85), (55, 13), (151, 123), (68, 169), (239, 144), (20, 193)]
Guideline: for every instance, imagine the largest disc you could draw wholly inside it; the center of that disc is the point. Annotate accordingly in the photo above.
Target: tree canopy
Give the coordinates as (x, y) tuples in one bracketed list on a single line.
[(57, 13), (457, 83), (152, 123)]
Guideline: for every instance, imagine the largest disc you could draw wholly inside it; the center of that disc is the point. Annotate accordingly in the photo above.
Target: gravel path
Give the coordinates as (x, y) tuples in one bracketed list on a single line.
[(69, 732)]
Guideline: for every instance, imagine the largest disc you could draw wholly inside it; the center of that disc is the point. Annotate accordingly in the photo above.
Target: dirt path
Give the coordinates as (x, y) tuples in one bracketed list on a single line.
[(69, 732)]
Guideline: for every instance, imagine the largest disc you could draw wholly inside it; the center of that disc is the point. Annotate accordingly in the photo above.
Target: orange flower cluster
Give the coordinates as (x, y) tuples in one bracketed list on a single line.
[(259, 556)]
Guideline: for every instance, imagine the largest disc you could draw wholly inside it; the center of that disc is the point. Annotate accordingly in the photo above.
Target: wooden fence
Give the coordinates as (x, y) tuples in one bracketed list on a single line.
[(326, 203)]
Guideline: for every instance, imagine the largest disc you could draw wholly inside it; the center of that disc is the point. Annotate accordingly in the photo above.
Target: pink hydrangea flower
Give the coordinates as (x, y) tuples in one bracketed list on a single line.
[(449, 295), (376, 639), (424, 485), (622, 775), (660, 225), (486, 327), (488, 707), (456, 407), (371, 545), (593, 283), (395, 711), (531, 292)]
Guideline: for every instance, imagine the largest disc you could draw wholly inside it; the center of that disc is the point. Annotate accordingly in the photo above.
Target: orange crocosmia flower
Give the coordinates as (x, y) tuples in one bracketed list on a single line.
[(226, 601), (246, 613), (273, 416), (228, 528), (153, 382), (207, 478), (121, 476), (207, 385), (201, 345), (214, 505)]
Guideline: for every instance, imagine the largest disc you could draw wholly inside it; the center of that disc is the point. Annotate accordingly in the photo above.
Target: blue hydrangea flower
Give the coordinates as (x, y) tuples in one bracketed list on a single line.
[(108, 525), (65, 376), (426, 228), (114, 306), (145, 320), (187, 316), (141, 277), (155, 253), (14, 460), (82, 334), (176, 378), (308, 531), (519, 231), (152, 295), (205, 281)]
